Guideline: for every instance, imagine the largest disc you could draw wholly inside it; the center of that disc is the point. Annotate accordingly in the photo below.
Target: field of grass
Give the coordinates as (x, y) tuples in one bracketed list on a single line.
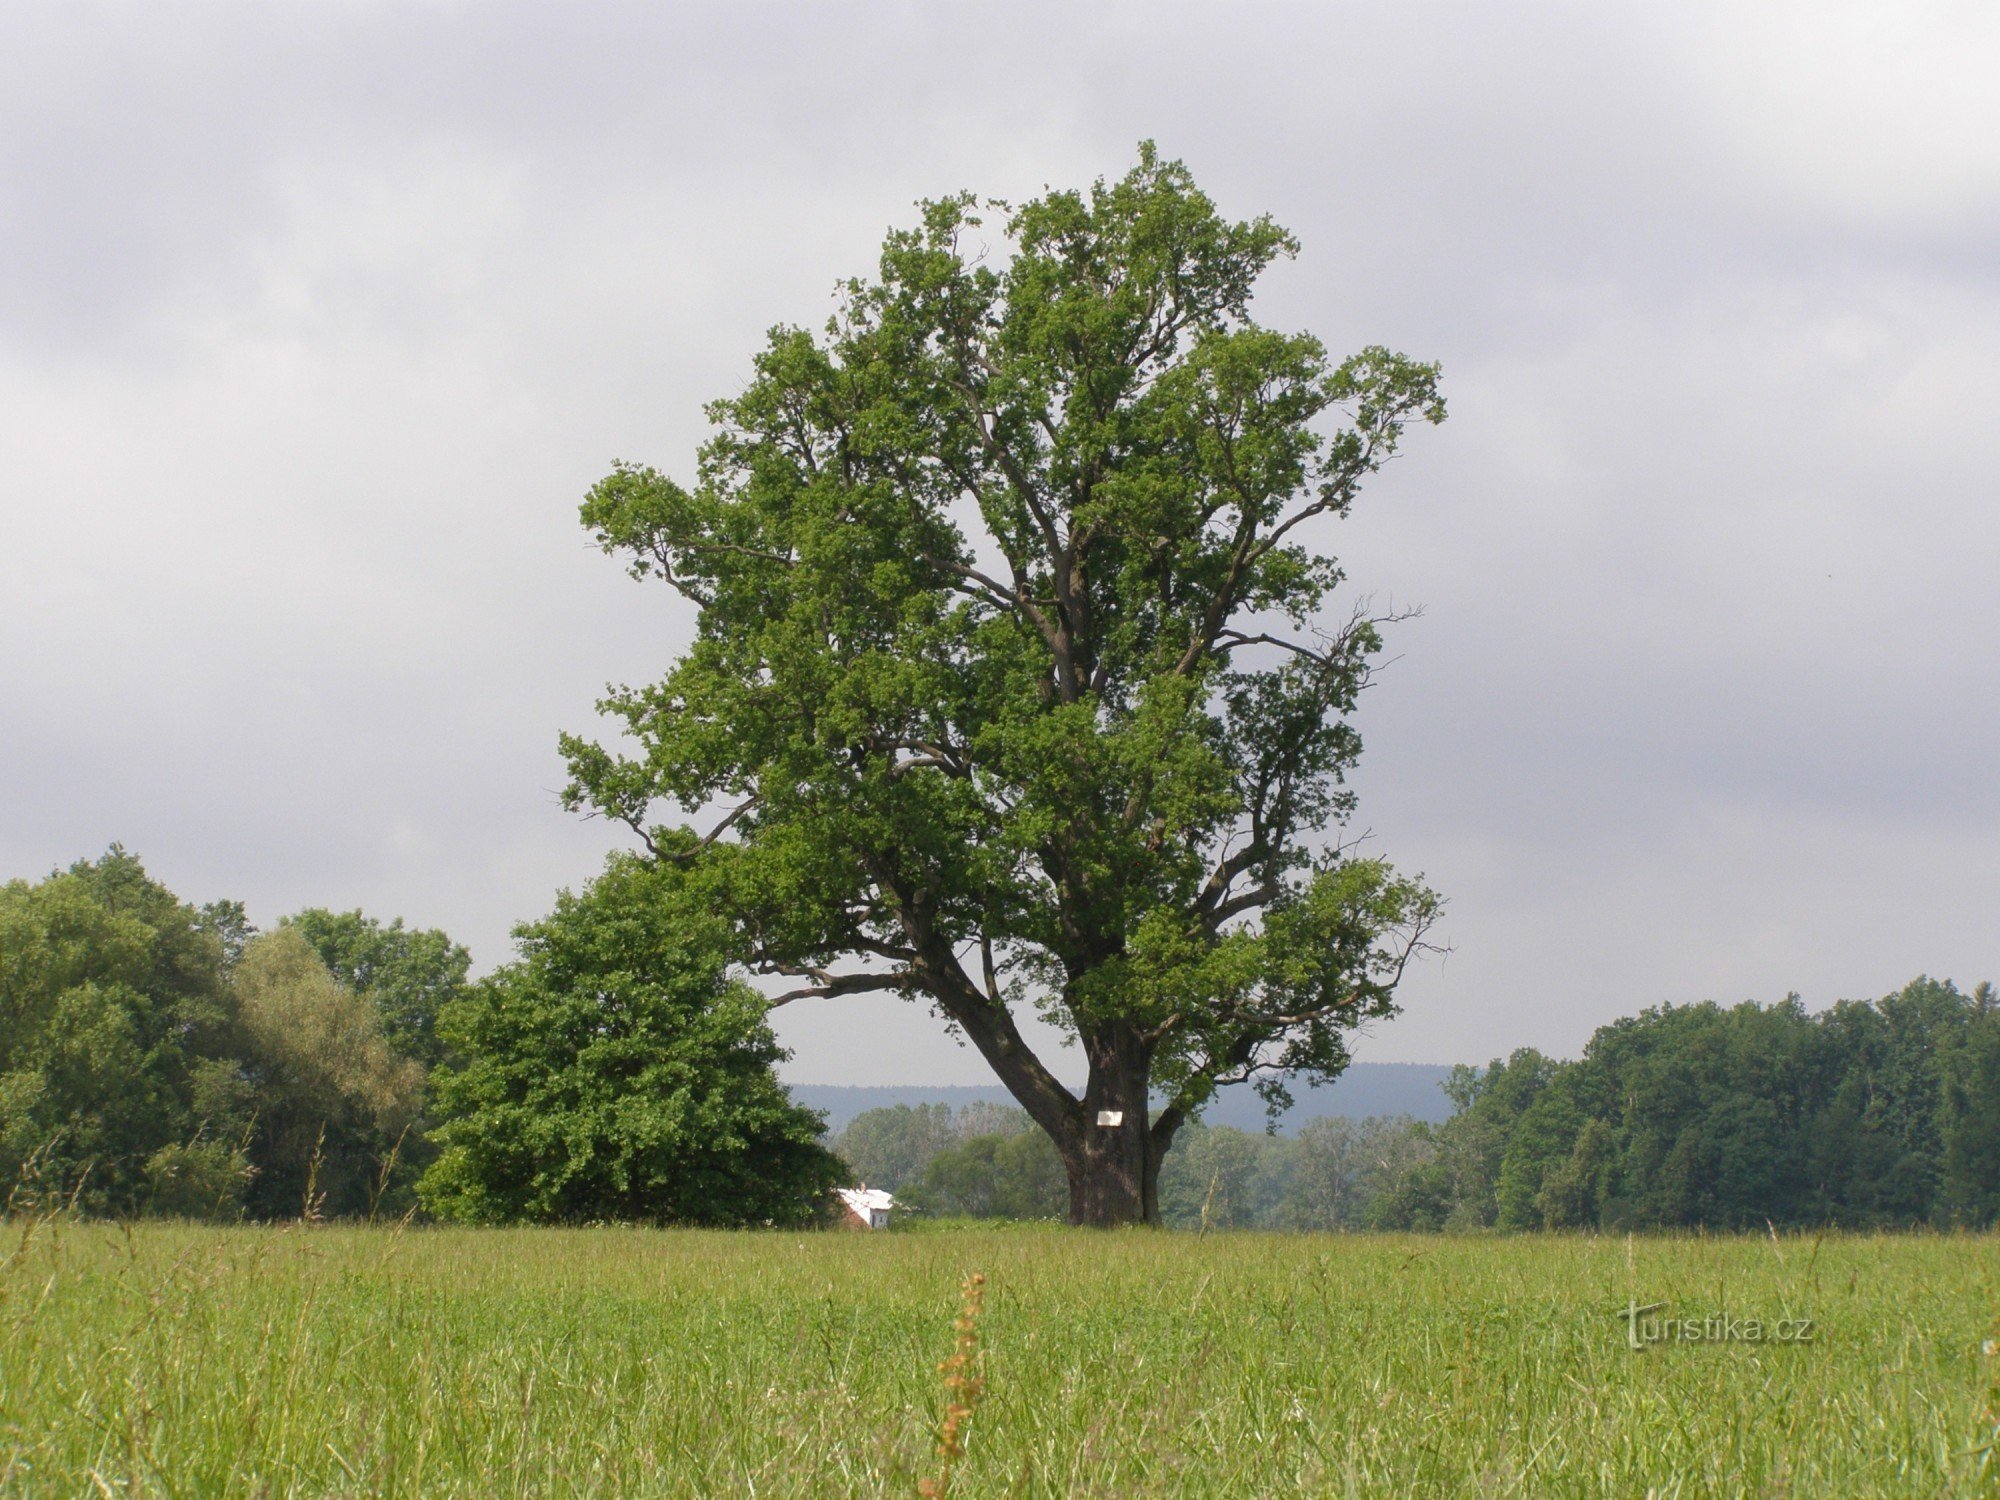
[(183, 1360)]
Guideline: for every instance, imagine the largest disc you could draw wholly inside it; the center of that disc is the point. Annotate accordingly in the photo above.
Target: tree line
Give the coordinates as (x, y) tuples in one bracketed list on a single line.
[(161, 1057), (158, 1057), (988, 1162), (1872, 1114)]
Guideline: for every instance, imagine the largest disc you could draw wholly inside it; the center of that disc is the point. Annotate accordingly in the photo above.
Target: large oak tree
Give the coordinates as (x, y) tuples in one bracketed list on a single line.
[(1014, 683)]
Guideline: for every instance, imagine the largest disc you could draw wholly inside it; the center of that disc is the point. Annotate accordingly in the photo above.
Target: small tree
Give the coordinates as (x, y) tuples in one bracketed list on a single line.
[(614, 1072), (1011, 672), (334, 1096)]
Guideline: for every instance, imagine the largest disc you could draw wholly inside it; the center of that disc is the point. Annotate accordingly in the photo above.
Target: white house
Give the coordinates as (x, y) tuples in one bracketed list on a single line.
[(867, 1207)]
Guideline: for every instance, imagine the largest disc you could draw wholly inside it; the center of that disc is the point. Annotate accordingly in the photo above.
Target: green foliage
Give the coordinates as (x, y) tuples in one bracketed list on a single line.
[(886, 1148), (230, 925), (405, 976), (983, 1164), (1969, 1189), (1882, 1113), (1575, 1188), (891, 1147), (159, 1057), (1223, 1177), (1344, 1170), (1010, 660), (1872, 1114), (408, 974), (1014, 1175), (1334, 1175), (326, 1043), (1458, 1186), (334, 1097), (614, 1072), (1540, 1137), (114, 1010), (199, 1180)]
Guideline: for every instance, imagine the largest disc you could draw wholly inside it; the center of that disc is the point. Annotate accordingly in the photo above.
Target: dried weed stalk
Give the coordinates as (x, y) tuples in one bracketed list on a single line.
[(962, 1388)]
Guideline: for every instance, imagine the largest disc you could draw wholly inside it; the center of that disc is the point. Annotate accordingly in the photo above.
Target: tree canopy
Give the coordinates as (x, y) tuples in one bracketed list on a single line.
[(614, 1072), (409, 974), (1014, 682), (1869, 1114), (117, 1038), (157, 1056), (335, 1095)]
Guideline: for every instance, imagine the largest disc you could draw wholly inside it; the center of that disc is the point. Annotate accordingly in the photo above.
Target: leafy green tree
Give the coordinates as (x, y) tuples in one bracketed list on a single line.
[(1012, 679), (117, 1029), (1540, 1139), (1574, 1190), (1342, 1168), (891, 1147), (199, 1179), (1969, 1189), (615, 1072), (1461, 1187), (1714, 1106), (334, 1097), (1224, 1177), (1874, 1142), (230, 925), (1427, 1198), (1330, 1175), (988, 1117), (409, 974)]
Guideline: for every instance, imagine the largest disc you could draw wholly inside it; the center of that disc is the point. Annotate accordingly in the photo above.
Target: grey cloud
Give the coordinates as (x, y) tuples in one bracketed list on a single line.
[(316, 321)]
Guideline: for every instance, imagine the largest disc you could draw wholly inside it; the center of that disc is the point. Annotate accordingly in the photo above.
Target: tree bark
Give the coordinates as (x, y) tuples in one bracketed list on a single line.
[(1114, 1169)]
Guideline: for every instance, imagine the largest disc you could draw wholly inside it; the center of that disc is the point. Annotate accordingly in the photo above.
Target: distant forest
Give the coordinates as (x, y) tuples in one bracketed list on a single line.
[(162, 1058), (1873, 1114), (1362, 1089)]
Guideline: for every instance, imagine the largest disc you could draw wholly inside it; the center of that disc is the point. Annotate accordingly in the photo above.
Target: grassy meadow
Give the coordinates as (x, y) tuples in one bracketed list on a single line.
[(184, 1360)]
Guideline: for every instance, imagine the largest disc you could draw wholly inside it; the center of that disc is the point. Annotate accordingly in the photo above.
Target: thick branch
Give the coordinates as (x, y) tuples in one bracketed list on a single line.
[(985, 1020), (990, 1028), (847, 984)]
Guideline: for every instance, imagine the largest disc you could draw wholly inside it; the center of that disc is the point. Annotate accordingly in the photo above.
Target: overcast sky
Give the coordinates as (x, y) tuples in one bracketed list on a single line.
[(316, 321)]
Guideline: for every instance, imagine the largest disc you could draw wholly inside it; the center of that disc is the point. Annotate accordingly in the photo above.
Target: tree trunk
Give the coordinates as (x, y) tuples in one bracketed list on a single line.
[(1114, 1169)]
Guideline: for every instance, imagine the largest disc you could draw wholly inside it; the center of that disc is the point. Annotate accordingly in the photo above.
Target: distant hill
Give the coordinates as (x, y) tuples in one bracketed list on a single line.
[(1364, 1089)]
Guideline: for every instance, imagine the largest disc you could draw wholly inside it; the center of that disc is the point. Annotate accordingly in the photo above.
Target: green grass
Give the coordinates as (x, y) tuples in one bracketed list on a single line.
[(201, 1361)]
